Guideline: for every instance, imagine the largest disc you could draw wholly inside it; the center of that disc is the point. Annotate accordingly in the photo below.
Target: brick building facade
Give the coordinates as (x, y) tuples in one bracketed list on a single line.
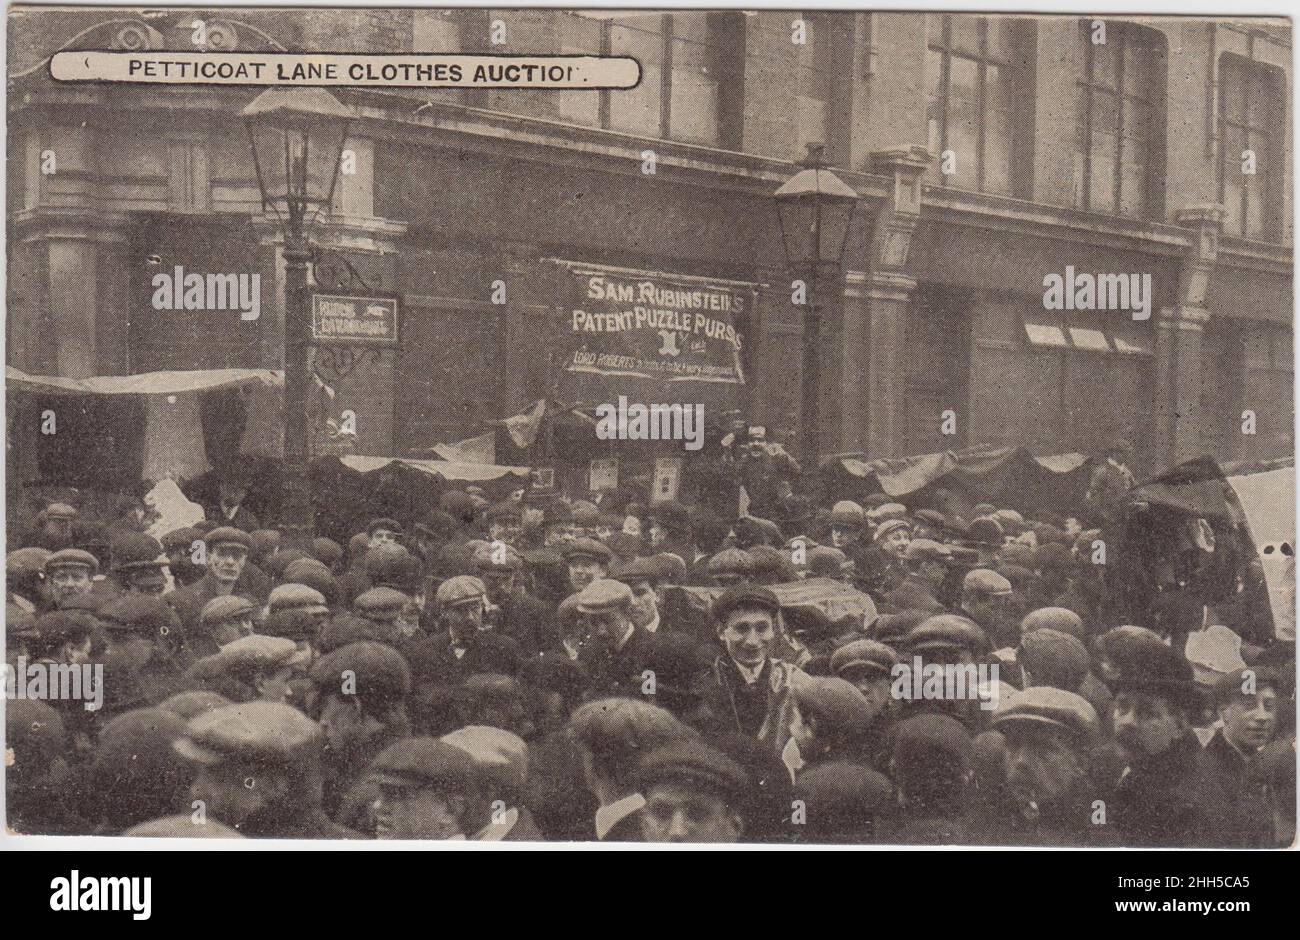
[(1119, 157)]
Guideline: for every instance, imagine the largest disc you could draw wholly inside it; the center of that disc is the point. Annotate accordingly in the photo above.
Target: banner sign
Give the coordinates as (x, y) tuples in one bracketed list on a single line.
[(656, 326), (354, 320)]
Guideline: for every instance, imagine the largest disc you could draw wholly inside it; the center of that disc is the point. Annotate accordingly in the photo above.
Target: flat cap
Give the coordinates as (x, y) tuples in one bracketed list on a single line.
[(1045, 705), (325, 550), (823, 561), (693, 764), (840, 795), (1053, 556), (72, 558), (59, 511), (933, 518), (927, 550), (255, 652), (424, 762), (887, 510), (1061, 619), (604, 594), (1161, 671), (194, 702), (588, 548), (26, 561), (258, 732), (1053, 658), (835, 701), (378, 602), (458, 504), (386, 524), (985, 532), (888, 527), (295, 624), (62, 626), (930, 737), (744, 597), (585, 512), (182, 827), (315, 575), (986, 582), (863, 656), (182, 539), (504, 511), (672, 515), (847, 514), (498, 557), (501, 757), (228, 535), (730, 561), (462, 589), (947, 631), (226, 607), (133, 550), (139, 614), (292, 596), (382, 677), (650, 568)]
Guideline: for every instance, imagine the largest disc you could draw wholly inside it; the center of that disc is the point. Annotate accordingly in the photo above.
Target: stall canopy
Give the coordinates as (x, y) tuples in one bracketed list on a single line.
[(1006, 476), (447, 469), (146, 383)]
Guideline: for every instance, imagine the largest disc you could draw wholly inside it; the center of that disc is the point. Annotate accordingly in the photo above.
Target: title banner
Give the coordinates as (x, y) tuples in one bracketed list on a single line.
[(655, 326), (320, 69)]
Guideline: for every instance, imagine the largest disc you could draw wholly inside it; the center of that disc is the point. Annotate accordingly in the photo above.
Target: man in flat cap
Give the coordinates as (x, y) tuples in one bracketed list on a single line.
[(259, 771), (223, 620), (248, 669), (144, 662), (932, 769), (610, 647), (505, 521), (645, 577), (729, 566), (229, 509), (927, 565), (139, 563), (845, 803), (425, 788), (672, 530), (1047, 734), (69, 573), (501, 760), (693, 794), (989, 599), (749, 688), (509, 608), (225, 551), (1247, 700), (587, 560)]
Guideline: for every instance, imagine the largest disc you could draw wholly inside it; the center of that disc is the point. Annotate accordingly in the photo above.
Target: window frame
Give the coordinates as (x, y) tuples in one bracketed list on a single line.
[(1250, 73)]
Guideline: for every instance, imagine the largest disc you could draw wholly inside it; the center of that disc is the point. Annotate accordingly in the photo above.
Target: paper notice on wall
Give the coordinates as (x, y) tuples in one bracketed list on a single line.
[(173, 510), (1268, 501)]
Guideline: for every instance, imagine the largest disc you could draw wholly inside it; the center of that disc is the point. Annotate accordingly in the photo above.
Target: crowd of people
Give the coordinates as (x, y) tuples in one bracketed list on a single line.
[(547, 667)]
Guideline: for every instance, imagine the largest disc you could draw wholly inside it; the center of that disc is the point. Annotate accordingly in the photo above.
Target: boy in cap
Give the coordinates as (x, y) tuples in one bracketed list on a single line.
[(223, 620), (587, 560), (926, 564), (989, 599), (69, 573), (425, 789)]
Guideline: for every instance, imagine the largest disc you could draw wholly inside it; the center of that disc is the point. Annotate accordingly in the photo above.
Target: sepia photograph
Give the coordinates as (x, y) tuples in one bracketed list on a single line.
[(774, 428)]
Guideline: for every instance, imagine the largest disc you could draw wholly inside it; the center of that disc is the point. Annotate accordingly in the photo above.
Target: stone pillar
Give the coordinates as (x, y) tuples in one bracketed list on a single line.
[(1179, 336), (889, 293), (854, 365)]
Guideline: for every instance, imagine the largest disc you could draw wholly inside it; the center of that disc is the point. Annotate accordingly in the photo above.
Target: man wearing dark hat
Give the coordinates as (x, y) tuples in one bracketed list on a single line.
[(845, 803), (748, 687), (587, 560), (1160, 798), (505, 521), (229, 509), (226, 550), (671, 530), (693, 793), (644, 576), (259, 770), (557, 525), (729, 566), (144, 661), (510, 609), (1109, 484), (360, 701), (426, 789), (932, 769), (927, 564), (69, 573), (139, 563), (1247, 701), (989, 599), (180, 545)]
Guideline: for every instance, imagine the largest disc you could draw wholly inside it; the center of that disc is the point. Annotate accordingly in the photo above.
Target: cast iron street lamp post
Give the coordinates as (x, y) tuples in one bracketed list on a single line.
[(297, 138), (816, 209)]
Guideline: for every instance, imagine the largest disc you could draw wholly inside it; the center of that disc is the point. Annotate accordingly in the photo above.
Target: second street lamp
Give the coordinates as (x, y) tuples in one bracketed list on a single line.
[(297, 138), (815, 208)]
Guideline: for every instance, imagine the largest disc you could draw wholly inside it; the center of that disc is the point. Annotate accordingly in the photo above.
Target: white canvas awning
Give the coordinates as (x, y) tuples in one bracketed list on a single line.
[(447, 469), (146, 383)]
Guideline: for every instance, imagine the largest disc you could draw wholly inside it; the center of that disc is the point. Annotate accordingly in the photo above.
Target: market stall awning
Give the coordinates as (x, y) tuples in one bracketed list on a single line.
[(145, 383), (447, 469)]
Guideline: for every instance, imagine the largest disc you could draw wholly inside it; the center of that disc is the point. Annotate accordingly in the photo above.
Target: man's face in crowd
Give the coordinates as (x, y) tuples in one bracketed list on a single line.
[(500, 585), (417, 813), (582, 571), (74, 653), (932, 573), (233, 791), (896, 542), (1042, 767), (604, 628), (463, 619), (69, 581), (382, 537), (345, 723), (231, 629), (658, 534), (505, 530), (226, 562), (1249, 720), (645, 603), (273, 686), (843, 536), (992, 611), (1146, 724), (674, 813), (150, 582), (749, 636), (58, 527), (561, 533), (874, 686)]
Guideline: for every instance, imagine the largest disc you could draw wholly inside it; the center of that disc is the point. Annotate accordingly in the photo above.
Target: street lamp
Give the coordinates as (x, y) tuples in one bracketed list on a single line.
[(815, 208), (297, 137)]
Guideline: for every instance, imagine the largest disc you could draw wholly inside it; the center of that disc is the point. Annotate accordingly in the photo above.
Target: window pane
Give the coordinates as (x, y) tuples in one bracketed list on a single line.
[(963, 121), (579, 36), (1254, 208), (1232, 202), (1233, 98), (637, 109), (1002, 33), (1105, 113), (1133, 180), (965, 33), (1138, 61), (997, 130), (1102, 180), (1105, 65), (934, 28)]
